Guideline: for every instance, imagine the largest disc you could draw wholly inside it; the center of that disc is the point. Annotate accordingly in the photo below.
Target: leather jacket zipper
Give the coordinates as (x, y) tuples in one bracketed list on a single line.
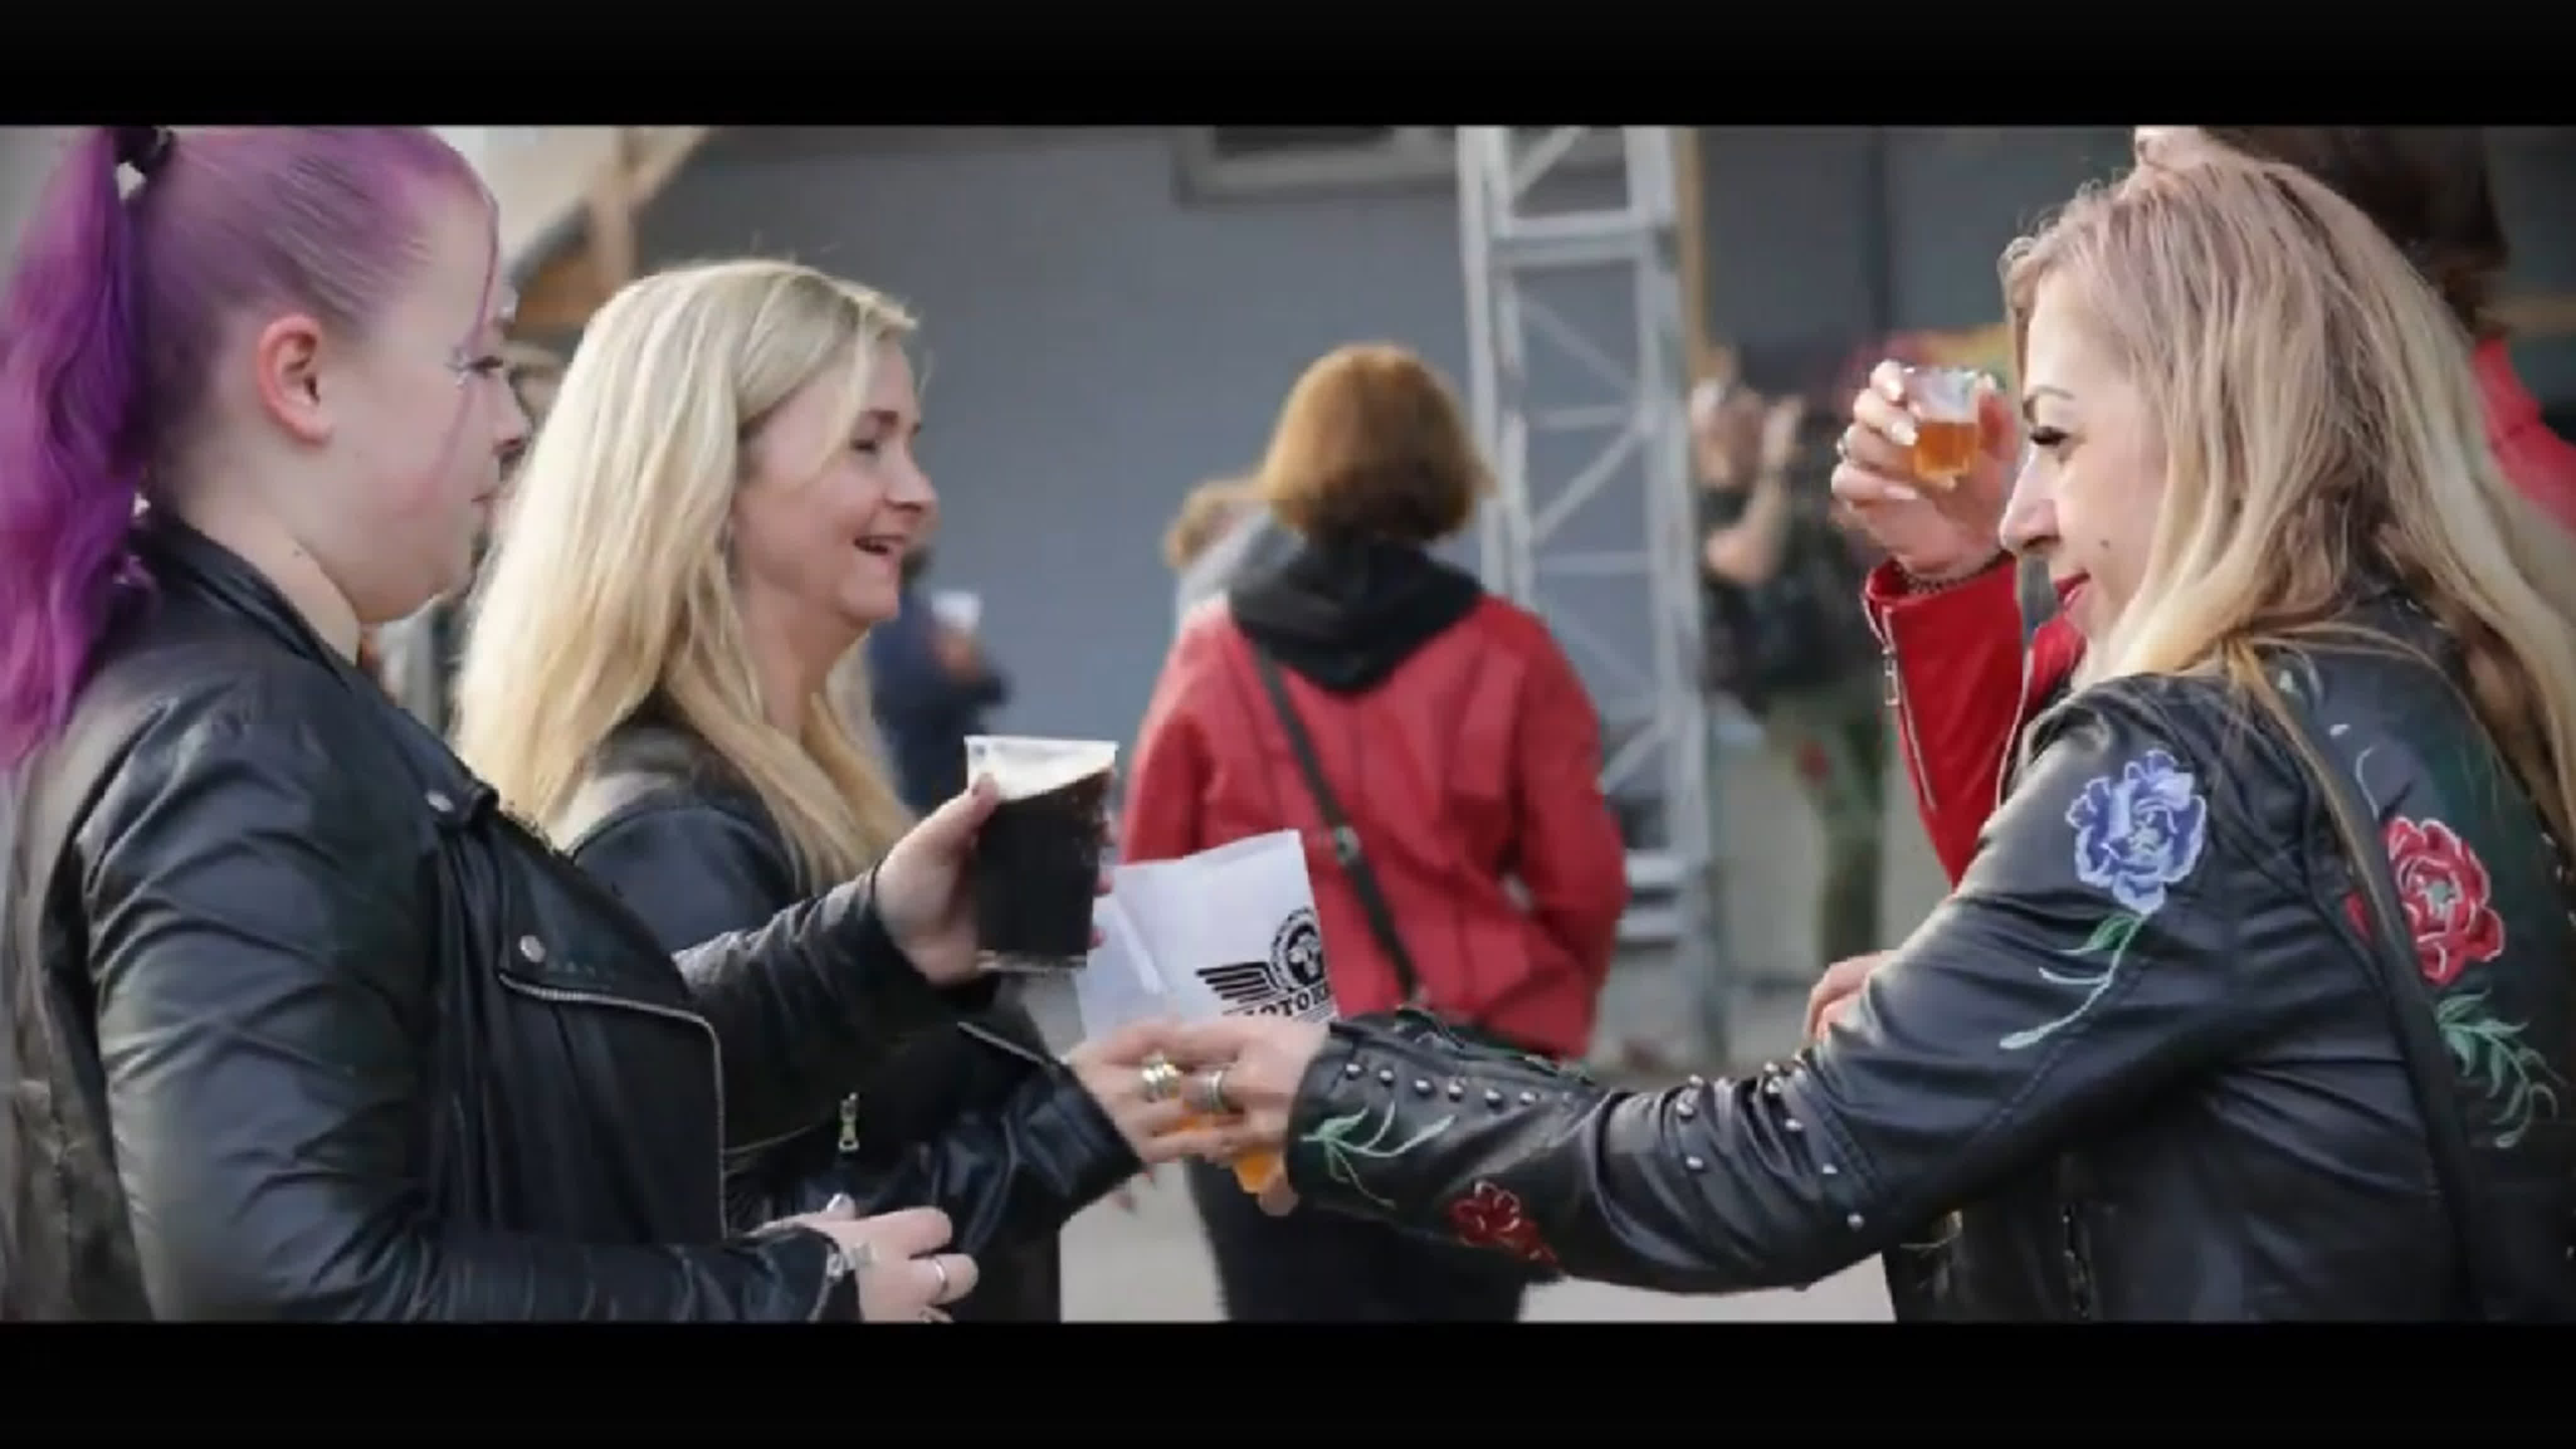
[(1893, 696), (836, 1266), (847, 1141), (1913, 741), (667, 1013), (2079, 1265), (1895, 700)]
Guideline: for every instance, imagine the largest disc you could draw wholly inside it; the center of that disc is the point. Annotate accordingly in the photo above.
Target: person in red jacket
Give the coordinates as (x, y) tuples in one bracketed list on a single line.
[(1454, 736), (1945, 603)]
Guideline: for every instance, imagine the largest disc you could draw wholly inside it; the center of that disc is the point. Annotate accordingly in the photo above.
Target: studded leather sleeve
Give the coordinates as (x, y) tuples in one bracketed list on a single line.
[(2092, 954), (1400, 1120)]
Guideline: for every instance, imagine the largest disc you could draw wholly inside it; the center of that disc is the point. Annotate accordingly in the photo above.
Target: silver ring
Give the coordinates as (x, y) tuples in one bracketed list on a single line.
[(1158, 1080), (862, 1254), (941, 1269), (1211, 1093)]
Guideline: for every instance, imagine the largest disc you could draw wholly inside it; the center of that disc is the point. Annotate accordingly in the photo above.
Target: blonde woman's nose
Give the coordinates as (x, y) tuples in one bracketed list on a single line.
[(2030, 515)]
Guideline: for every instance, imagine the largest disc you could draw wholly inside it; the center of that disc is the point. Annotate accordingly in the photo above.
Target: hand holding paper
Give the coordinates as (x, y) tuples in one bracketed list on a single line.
[(1226, 933)]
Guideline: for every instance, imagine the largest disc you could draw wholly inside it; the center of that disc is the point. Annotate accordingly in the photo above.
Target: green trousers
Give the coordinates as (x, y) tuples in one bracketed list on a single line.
[(1832, 740)]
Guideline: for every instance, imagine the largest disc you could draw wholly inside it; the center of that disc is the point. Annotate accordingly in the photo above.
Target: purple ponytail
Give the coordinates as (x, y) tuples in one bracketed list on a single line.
[(110, 330), (68, 465)]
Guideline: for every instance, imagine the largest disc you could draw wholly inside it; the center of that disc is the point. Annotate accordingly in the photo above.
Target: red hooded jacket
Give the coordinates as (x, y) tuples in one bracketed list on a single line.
[(1963, 687), (1461, 744)]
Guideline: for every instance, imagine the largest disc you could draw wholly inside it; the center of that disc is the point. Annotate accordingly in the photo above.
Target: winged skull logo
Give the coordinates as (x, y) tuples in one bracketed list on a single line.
[(1245, 983), (1294, 971)]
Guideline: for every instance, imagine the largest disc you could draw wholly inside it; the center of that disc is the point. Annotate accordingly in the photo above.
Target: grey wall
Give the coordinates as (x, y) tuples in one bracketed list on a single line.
[(1820, 236)]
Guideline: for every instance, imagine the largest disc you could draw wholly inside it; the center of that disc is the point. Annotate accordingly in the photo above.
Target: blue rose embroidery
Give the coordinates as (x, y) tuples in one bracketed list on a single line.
[(2137, 835)]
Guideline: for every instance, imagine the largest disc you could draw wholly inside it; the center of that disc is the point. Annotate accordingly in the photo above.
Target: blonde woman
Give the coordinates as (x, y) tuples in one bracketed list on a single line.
[(2257, 1000), (717, 511)]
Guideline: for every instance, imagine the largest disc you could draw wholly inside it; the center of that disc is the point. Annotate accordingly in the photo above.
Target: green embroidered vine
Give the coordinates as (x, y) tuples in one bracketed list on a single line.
[(2139, 832), (2491, 1052), (2110, 940), (1333, 1139)]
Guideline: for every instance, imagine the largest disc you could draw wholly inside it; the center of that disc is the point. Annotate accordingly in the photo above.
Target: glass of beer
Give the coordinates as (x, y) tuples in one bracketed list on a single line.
[(1944, 403), (1037, 859)]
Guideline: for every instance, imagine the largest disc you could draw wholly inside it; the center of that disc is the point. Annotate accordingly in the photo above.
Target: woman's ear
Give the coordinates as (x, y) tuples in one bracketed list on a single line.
[(287, 360)]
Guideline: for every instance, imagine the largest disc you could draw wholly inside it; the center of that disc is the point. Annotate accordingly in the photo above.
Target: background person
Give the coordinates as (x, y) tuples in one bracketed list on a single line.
[(1222, 531), (416, 658), (1787, 640), (930, 685), (1458, 743)]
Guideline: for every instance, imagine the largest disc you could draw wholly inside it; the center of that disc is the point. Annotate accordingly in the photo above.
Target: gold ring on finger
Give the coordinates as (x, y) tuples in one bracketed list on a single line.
[(1158, 1080)]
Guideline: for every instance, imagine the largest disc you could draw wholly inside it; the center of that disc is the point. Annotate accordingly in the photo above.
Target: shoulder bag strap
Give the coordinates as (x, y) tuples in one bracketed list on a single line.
[(1346, 839), (2419, 1038)]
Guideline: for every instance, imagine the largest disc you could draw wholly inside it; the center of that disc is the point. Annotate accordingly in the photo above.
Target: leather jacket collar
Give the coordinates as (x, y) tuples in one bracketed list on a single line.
[(187, 565), (175, 551)]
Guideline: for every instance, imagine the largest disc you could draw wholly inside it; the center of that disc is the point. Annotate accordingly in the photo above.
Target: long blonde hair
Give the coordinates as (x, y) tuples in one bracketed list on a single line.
[(2322, 423), (610, 581)]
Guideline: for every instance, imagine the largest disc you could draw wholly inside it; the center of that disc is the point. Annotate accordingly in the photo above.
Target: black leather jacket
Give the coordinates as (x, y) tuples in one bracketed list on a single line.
[(310, 1030), (2135, 1067), (976, 1118)]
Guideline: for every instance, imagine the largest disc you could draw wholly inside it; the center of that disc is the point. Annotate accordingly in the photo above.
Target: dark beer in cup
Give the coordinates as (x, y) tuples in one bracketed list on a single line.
[(1037, 859)]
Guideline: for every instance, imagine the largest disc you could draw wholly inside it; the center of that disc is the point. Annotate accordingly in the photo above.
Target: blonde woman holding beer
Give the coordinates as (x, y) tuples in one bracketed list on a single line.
[(716, 513), (2256, 1001)]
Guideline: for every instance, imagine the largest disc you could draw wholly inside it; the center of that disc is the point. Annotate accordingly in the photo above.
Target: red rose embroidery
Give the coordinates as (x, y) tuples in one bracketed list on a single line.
[(2444, 888), (1491, 1217)]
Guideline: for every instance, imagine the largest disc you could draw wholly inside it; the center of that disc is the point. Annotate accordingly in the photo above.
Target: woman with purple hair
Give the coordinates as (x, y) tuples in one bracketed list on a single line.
[(293, 1022)]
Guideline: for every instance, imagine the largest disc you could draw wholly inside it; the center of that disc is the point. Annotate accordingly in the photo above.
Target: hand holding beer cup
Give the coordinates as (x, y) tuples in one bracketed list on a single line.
[(1926, 465), (989, 856), (1037, 857)]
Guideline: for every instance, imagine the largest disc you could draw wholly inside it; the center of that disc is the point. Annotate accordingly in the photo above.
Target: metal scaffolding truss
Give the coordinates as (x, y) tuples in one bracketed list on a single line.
[(1592, 525)]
